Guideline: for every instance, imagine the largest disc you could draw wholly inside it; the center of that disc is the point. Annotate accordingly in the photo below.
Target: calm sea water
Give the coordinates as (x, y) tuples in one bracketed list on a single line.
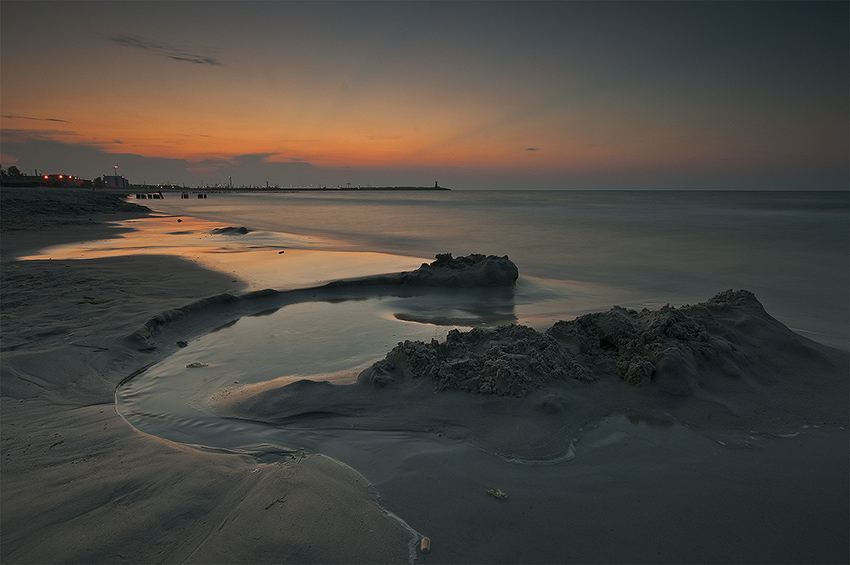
[(634, 249)]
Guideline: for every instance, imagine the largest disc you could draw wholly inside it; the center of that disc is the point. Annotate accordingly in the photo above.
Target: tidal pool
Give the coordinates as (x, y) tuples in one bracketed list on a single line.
[(324, 340)]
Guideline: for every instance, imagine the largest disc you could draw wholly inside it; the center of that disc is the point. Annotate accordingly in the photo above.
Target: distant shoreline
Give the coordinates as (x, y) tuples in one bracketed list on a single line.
[(156, 191), (14, 183), (294, 189)]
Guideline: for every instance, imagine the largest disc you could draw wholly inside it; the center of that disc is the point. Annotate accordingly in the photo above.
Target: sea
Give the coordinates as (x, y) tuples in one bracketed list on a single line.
[(631, 248), (577, 252)]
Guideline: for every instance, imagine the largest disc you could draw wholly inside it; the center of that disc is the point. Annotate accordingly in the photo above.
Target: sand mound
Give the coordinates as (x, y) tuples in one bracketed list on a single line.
[(509, 360), (678, 350), (474, 270), (471, 270), (722, 366)]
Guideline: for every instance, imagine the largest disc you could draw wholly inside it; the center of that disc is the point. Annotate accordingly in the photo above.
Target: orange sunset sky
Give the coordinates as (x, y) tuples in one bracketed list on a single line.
[(477, 95)]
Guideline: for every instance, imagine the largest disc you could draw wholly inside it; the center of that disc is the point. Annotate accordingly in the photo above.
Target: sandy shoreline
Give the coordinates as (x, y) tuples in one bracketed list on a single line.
[(81, 485)]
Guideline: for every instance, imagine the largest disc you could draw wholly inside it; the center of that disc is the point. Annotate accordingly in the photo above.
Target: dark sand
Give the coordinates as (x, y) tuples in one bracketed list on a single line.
[(80, 485)]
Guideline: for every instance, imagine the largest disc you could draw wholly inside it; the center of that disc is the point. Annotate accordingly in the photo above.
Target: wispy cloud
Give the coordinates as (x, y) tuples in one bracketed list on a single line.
[(14, 117), (69, 137), (29, 135), (267, 165), (133, 41), (168, 51)]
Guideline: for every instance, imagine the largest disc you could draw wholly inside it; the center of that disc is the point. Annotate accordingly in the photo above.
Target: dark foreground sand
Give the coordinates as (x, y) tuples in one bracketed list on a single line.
[(80, 485), (752, 472)]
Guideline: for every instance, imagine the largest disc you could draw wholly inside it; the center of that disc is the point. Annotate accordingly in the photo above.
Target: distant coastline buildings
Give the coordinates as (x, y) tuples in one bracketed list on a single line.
[(14, 177), (69, 181), (115, 181), (63, 180)]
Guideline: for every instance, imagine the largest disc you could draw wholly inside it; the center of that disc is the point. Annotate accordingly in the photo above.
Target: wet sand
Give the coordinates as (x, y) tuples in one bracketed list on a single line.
[(642, 484), (80, 485)]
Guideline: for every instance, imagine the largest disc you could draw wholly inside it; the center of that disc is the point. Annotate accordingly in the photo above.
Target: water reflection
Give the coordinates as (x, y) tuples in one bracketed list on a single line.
[(261, 259), (309, 333), (459, 307)]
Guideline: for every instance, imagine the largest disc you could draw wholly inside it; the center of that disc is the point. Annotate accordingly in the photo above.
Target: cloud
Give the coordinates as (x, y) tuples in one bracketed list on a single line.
[(168, 51), (252, 168), (531, 149), (70, 137), (132, 41), (197, 59), (85, 160), (209, 167), (50, 152), (13, 117), (10, 136)]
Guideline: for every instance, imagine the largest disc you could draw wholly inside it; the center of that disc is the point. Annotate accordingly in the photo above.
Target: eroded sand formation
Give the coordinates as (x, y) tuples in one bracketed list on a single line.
[(470, 271), (724, 367), (681, 348)]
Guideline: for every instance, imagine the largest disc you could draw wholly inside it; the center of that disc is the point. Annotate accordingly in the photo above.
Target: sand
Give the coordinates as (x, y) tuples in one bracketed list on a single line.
[(744, 459), (80, 485)]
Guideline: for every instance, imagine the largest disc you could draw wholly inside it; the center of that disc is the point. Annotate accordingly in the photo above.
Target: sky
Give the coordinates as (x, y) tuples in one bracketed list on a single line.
[(473, 95)]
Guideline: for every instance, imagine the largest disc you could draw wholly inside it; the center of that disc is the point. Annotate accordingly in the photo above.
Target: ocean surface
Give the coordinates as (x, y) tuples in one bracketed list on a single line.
[(633, 249)]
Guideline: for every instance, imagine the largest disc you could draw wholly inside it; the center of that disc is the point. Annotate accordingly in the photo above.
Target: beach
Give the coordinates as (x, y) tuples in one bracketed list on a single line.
[(746, 469), (80, 485)]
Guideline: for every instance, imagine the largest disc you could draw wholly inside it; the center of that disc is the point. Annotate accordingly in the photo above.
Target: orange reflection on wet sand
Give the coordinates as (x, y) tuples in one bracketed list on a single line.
[(261, 259)]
